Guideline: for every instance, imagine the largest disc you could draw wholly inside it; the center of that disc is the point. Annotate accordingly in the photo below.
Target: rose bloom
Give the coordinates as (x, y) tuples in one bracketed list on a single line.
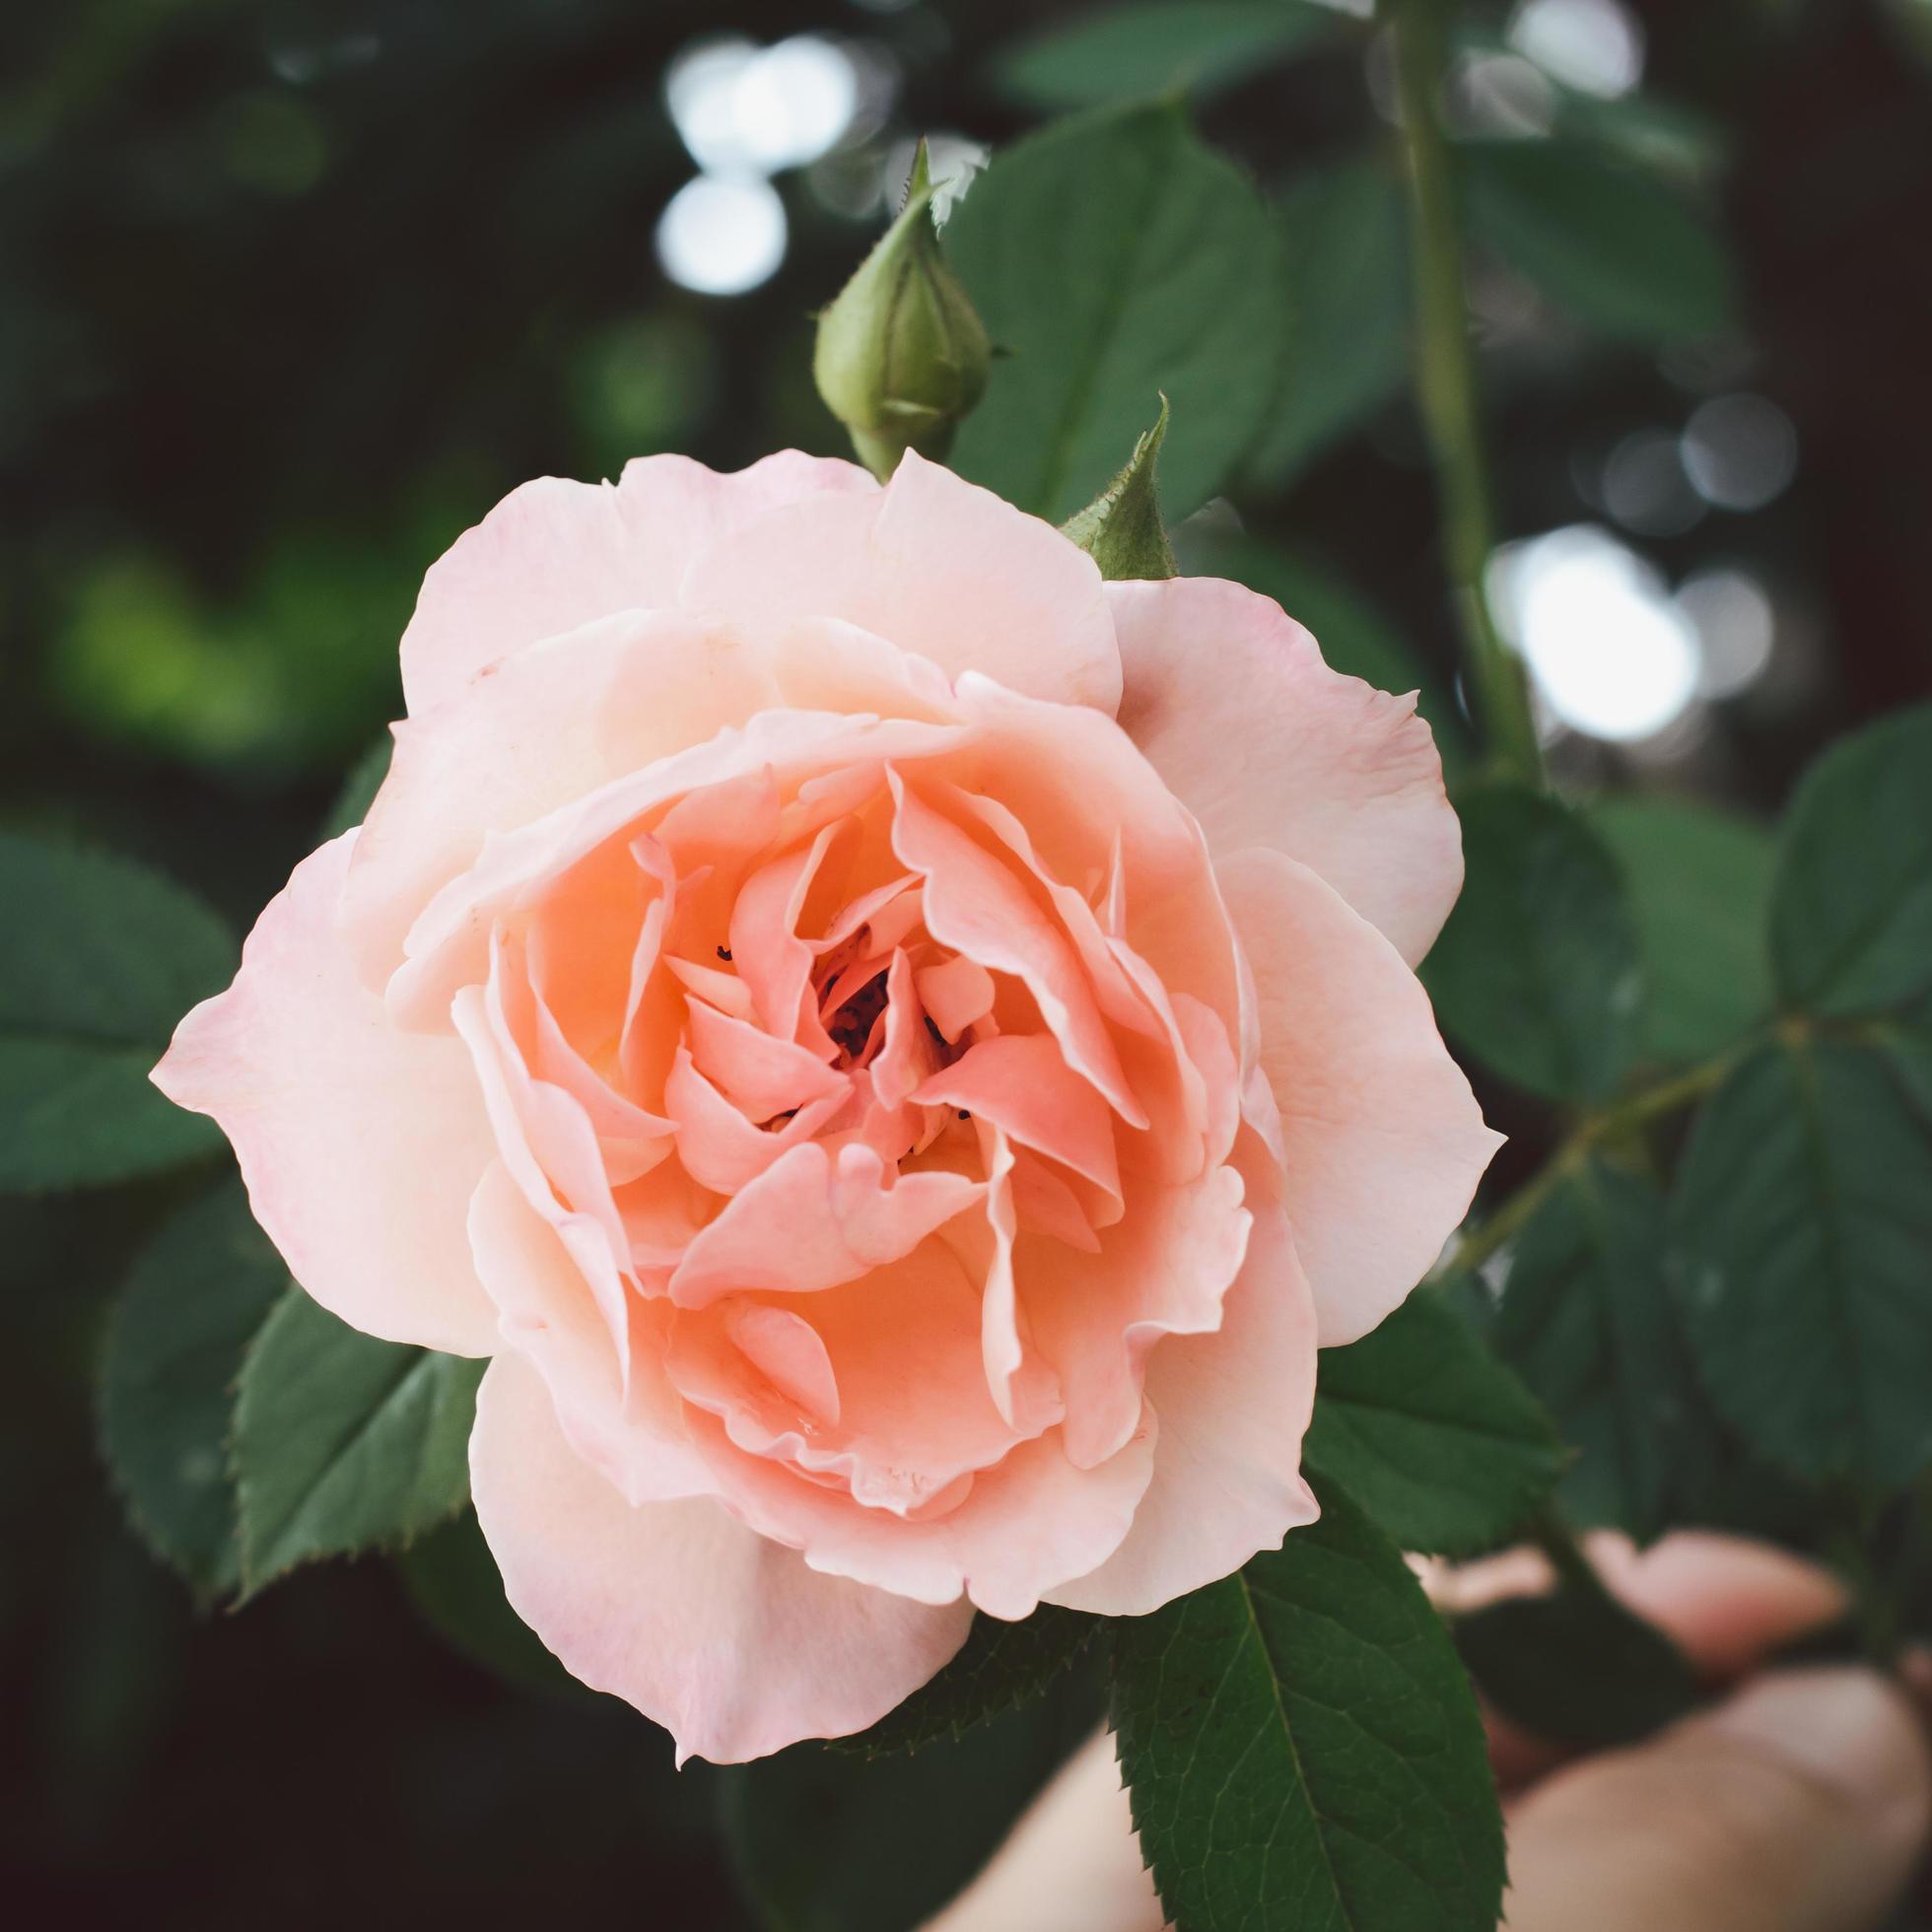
[(899, 1050)]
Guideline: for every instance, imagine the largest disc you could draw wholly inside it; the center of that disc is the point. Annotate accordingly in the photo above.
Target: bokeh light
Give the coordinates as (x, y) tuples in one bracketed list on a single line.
[(1741, 451), (1595, 46), (1737, 629), (721, 235), (1612, 653)]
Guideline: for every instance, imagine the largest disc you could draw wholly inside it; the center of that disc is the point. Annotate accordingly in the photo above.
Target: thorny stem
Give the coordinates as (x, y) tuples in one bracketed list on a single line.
[(1445, 387)]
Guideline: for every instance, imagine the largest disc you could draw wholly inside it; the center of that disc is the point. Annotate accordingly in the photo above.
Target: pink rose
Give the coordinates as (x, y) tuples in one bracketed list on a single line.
[(900, 1051)]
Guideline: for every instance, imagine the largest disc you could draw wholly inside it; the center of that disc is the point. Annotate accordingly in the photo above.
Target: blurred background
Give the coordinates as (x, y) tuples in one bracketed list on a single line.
[(292, 290)]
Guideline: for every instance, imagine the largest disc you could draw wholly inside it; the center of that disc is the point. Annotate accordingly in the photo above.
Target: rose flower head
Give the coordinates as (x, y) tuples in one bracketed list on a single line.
[(899, 1050)]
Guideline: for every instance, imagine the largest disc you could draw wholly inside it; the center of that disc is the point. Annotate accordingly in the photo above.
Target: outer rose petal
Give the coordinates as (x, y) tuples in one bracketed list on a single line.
[(1233, 1407), (360, 1144), (553, 555), (1230, 700), (726, 1639), (943, 569), (1383, 1142)]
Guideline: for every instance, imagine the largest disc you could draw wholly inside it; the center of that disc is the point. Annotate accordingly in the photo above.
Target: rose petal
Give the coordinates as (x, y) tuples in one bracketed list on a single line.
[(554, 555), (1383, 1141), (1267, 746), (360, 1144), (1233, 1407), (943, 569), (728, 1639)]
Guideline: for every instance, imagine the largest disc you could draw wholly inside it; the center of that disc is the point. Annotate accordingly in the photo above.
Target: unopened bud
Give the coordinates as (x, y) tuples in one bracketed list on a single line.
[(902, 356)]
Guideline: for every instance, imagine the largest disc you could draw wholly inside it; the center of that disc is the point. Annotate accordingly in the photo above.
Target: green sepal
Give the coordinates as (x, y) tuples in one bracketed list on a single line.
[(1120, 528)]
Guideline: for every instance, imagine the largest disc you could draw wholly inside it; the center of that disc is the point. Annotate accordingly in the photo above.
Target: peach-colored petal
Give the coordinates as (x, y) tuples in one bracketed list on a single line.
[(554, 555), (955, 992), (1384, 1142), (764, 1074), (720, 1147), (728, 1639), (1021, 1082), (813, 1220), (943, 569), (974, 905), (1233, 1405), (359, 1146), (1162, 1271), (1267, 746), (634, 1433)]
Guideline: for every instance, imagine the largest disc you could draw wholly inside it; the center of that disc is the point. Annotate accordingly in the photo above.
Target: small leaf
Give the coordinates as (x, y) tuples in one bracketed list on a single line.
[(1700, 883), (103, 957), (359, 788), (1536, 971), (1801, 1222), (1000, 1667), (1346, 316), (1119, 52), (1302, 1748), (342, 1442), (1117, 258), (1851, 911), (1619, 251), (1120, 528), (192, 1304), (1587, 1320), (1430, 1434), (1577, 1667)]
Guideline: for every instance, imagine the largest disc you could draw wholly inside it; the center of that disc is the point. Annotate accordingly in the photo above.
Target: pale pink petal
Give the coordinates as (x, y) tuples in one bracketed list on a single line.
[(1161, 1272), (813, 1220), (1267, 746), (360, 1144), (941, 568), (1233, 1405), (1028, 1523), (728, 1639), (634, 1433), (1383, 1141), (554, 555)]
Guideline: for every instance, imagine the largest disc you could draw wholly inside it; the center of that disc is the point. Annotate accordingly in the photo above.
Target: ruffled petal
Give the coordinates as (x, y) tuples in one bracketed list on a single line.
[(942, 568), (725, 1639), (360, 1144), (1383, 1142), (553, 555), (1233, 1407), (1267, 746)]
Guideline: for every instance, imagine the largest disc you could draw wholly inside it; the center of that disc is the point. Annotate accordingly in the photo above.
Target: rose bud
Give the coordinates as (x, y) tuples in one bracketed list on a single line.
[(902, 356)]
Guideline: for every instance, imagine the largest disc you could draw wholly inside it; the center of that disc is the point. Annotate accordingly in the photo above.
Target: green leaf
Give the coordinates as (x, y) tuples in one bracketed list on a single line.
[(1851, 911), (1302, 1748), (1700, 883), (1120, 528), (1587, 1320), (1345, 320), (1000, 1667), (1623, 253), (1430, 1434), (103, 956), (344, 1443), (827, 1841), (1536, 970), (1802, 1223), (1577, 1667), (193, 1301), (359, 788), (453, 1580), (1115, 258), (1354, 637), (1118, 52)]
